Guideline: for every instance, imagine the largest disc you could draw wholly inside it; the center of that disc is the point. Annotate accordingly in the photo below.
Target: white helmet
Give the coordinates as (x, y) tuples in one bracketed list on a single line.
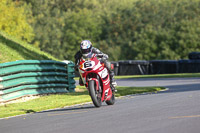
[(86, 47)]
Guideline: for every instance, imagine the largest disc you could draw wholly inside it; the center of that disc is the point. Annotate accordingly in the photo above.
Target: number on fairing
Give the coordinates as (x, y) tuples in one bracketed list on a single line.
[(87, 64)]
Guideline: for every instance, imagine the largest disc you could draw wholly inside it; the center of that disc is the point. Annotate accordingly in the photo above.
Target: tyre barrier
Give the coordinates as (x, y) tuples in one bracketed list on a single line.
[(194, 55), (189, 66), (163, 66), (134, 67), (34, 77)]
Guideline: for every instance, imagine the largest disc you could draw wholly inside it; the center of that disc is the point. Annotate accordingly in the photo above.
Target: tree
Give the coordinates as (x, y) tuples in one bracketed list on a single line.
[(14, 20)]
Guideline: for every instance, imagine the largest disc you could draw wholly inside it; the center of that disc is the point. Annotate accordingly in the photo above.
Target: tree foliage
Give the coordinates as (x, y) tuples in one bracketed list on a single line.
[(128, 29), (14, 20), (155, 29)]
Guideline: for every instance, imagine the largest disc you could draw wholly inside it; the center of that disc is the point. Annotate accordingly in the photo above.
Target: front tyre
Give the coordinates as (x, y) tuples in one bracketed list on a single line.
[(95, 95)]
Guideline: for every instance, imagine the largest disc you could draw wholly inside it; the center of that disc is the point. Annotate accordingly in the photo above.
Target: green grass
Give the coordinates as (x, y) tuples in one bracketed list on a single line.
[(62, 100), (13, 49), (122, 91)]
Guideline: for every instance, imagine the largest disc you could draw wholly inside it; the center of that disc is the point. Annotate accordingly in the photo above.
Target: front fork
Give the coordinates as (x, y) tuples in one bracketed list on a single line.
[(97, 82)]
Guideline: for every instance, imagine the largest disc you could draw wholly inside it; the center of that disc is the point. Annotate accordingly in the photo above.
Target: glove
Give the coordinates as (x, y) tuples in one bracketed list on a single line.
[(103, 58)]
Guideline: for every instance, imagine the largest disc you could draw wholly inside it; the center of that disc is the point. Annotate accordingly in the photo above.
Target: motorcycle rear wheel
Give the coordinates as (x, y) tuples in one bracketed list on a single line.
[(95, 95)]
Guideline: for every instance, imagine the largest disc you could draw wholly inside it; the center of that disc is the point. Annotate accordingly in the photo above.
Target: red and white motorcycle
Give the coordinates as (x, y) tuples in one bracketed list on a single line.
[(96, 79)]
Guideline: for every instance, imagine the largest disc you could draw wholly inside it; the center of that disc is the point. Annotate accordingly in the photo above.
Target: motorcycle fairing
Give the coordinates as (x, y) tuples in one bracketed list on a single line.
[(93, 65)]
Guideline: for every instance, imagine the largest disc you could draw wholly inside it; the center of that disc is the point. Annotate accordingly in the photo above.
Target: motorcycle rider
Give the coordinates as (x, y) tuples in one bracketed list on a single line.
[(86, 49)]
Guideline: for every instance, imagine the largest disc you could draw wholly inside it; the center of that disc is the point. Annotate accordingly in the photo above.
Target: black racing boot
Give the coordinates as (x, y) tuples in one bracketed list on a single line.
[(112, 80), (81, 82)]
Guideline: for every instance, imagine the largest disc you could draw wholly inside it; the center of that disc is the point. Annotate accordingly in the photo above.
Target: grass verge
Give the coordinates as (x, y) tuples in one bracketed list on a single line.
[(62, 100), (13, 49)]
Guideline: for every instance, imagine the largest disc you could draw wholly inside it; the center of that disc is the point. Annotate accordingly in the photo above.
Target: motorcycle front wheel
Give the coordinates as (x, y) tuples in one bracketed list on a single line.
[(95, 95)]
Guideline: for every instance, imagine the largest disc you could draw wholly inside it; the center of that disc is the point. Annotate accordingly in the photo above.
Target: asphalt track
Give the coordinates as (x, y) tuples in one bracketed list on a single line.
[(176, 110)]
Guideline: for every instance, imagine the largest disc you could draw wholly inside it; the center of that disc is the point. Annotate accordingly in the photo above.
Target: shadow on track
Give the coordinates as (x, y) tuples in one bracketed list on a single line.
[(72, 108), (182, 88)]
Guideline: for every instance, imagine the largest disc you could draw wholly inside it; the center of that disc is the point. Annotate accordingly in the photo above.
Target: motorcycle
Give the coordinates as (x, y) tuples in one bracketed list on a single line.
[(96, 79)]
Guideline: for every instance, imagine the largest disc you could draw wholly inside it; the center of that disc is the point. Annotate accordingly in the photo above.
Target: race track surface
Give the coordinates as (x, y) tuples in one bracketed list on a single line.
[(176, 110)]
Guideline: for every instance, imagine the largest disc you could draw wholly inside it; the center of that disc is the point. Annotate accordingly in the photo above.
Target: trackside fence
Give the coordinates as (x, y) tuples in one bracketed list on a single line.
[(33, 77), (134, 67)]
